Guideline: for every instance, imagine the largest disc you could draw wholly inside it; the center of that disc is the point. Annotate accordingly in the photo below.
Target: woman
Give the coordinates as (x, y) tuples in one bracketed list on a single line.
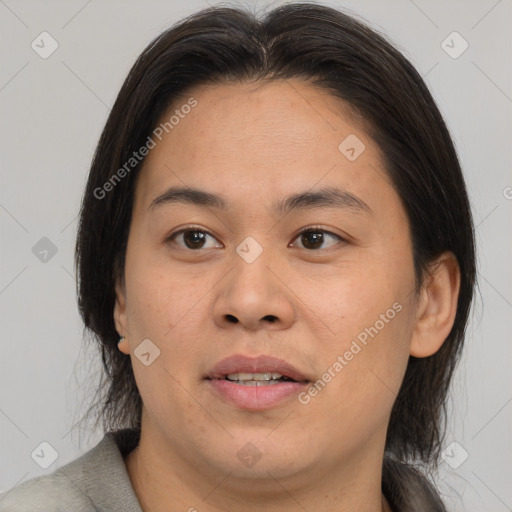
[(276, 256)]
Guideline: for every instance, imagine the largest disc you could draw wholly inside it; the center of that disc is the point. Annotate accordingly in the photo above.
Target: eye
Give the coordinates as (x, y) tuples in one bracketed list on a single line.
[(193, 238), (313, 238)]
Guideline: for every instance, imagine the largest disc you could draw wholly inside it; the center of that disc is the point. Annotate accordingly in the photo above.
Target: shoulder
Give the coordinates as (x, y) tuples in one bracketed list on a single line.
[(97, 480), (50, 493)]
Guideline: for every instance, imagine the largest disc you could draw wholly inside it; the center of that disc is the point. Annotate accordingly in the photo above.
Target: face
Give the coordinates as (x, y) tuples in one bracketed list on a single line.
[(324, 284)]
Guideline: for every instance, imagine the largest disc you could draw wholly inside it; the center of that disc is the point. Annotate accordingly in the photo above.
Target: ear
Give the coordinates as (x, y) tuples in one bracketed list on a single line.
[(120, 318), (437, 306)]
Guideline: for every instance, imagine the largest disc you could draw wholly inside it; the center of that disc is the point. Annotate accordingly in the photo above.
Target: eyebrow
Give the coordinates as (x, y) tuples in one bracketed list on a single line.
[(327, 197)]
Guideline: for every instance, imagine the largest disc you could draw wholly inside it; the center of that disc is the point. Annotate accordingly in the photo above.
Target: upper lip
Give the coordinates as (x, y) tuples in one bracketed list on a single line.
[(261, 364)]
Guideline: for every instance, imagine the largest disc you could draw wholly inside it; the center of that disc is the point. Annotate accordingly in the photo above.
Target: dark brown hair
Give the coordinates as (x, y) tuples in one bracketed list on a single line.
[(350, 61)]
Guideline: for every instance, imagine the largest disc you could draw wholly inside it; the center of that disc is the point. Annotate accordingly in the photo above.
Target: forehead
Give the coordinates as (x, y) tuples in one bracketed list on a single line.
[(261, 138)]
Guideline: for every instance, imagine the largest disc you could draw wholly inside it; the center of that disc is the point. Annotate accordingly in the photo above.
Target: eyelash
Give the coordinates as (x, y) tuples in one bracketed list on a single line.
[(312, 229)]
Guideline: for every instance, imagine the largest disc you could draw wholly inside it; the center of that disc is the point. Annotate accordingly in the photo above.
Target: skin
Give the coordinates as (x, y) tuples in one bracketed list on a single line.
[(255, 144)]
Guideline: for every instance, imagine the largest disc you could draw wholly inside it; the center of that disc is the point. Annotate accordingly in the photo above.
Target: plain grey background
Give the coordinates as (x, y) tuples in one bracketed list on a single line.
[(52, 112)]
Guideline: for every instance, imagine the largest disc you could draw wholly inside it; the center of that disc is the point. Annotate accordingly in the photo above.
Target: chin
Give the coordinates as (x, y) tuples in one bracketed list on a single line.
[(260, 458)]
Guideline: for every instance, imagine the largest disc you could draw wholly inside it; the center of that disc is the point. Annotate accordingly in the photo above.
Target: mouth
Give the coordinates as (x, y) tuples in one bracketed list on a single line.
[(258, 379), (256, 371), (255, 383)]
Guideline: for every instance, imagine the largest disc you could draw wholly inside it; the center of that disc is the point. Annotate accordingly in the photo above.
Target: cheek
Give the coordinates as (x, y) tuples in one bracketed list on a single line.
[(160, 297), (360, 381), (167, 308), (354, 300), (374, 342), (371, 319)]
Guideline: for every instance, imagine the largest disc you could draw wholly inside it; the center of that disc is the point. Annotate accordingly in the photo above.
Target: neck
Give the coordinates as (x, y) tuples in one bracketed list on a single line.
[(164, 481)]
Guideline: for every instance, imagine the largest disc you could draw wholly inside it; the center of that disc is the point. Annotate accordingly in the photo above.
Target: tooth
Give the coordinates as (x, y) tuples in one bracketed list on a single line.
[(240, 376), (245, 376), (251, 377), (254, 376), (257, 382), (261, 376)]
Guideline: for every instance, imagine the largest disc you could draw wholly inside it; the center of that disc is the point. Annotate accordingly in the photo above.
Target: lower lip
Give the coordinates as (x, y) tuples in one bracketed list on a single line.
[(256, 398)]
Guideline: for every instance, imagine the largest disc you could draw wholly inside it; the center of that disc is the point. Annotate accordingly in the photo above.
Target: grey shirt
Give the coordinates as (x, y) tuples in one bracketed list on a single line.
[(96, 481)]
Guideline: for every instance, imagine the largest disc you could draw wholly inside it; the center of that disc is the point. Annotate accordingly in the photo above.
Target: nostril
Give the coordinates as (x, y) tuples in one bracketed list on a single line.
[(270, 318), (232, 319)]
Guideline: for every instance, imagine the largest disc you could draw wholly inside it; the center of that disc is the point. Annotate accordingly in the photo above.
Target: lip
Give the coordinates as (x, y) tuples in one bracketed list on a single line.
[(255, 398), (261, 364)]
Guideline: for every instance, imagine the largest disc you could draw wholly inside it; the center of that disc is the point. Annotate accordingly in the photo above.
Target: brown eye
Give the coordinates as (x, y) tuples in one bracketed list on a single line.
[(192, 238), (314, 238)]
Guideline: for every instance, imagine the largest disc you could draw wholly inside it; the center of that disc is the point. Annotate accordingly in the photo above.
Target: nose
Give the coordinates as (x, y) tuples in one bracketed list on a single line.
[(254, 295)]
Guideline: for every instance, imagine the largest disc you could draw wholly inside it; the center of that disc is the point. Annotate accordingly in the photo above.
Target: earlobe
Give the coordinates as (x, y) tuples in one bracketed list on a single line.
[(437, 306), (120, 318), (123, 345)]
